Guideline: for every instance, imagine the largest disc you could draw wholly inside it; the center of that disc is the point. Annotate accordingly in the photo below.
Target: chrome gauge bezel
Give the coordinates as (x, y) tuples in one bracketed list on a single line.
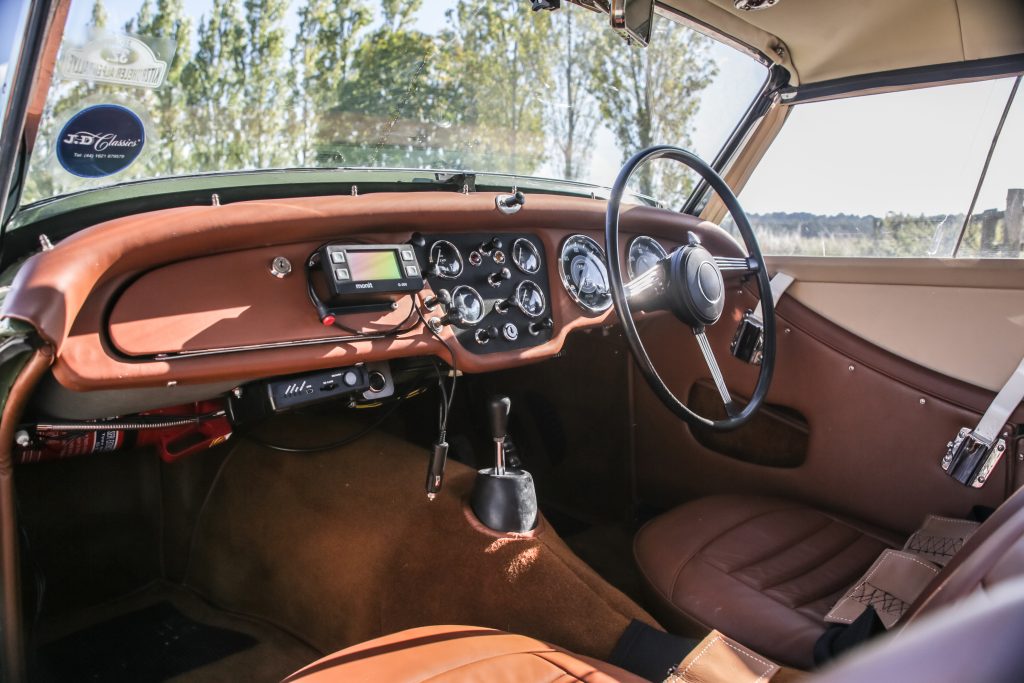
[(536, 253), (641, 239), (565, 281), (540, 293), (483, 304), (458, 254)]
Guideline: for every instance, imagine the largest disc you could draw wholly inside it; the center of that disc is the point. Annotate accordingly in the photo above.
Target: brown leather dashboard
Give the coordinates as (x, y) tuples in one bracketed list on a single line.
[(112, 298)]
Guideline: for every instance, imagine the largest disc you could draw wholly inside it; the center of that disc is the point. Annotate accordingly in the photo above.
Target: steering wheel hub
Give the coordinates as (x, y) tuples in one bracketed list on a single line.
[(696, 287)]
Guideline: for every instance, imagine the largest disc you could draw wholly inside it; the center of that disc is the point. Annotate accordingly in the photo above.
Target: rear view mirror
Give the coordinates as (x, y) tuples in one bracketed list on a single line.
[(635, 18)]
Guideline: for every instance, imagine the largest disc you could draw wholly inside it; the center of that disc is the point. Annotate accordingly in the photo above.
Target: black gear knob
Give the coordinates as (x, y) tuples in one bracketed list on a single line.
[(498, 409)]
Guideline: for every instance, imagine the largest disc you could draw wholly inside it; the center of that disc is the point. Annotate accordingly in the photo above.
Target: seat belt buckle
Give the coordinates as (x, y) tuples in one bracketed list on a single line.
[(748, 343), (970, 458)]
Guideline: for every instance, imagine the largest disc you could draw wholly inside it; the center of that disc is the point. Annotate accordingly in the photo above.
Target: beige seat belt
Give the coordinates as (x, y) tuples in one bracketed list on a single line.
[(974, 453), (748, 343)]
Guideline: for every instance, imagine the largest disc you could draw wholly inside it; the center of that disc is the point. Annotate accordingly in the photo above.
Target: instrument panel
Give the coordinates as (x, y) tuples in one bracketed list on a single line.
[(492, 288)]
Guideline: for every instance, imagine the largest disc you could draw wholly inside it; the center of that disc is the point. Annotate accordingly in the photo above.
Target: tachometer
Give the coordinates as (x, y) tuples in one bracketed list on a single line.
[(584, 275), (644, 253), (525, 256), (446, 260), (530, 299)]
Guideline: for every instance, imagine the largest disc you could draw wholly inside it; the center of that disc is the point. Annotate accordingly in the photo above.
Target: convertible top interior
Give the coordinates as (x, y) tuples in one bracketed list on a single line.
[(399, 424)]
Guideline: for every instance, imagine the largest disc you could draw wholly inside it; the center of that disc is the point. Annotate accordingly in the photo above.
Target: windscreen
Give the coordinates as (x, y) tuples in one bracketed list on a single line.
[(166, 88)]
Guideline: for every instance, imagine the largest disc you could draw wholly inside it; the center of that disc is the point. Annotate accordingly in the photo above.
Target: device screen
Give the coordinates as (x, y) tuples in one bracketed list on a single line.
[(374, 265)]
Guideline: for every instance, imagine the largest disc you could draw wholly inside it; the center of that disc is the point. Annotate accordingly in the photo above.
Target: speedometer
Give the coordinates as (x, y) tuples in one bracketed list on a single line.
[(644, 254), (584, 275)]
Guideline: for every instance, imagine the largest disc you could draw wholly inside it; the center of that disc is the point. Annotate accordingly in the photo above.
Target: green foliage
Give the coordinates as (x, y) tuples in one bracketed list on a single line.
[(650, 96)]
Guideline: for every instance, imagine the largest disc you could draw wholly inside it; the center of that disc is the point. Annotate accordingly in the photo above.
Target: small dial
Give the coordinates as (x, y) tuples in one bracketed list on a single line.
[(468, 304), (584, 275), (446, 259), (644, 254), (526, 256), (530, 299)]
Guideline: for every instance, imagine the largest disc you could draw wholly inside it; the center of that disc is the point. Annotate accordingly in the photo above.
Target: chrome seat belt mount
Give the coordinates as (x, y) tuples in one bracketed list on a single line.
[(970, 458)]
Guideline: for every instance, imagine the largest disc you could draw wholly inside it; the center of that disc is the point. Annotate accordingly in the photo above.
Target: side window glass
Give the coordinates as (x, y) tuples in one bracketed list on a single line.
[(887, 175), (996, 228)]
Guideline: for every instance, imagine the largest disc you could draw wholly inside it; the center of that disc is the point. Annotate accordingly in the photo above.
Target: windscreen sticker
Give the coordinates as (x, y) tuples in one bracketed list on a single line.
[(118, 58), (100, 140)]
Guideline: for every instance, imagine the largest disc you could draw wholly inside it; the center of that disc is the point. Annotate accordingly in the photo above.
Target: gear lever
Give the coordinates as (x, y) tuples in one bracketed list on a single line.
[(499, 408), (503, 499)]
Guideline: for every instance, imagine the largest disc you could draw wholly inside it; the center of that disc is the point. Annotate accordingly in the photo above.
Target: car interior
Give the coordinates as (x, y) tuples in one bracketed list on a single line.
[(469, 430)]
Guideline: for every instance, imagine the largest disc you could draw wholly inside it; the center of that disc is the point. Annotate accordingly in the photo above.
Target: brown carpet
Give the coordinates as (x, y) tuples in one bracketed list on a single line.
[(343, 546), (275, 655)]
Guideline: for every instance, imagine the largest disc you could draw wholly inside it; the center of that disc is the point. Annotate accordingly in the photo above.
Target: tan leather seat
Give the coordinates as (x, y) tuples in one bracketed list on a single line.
[(458, 653), (762, 570)]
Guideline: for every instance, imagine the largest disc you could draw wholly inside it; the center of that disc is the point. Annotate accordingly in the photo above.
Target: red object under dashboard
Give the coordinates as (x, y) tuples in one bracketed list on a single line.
[(210, 427)]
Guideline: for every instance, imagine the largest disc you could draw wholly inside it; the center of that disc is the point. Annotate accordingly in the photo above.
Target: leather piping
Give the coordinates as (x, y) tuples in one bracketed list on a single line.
[(13, 661)]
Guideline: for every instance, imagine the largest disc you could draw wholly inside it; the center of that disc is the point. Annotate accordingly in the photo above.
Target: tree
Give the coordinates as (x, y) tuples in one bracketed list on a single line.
[(572, 111), (387, 107), (650, 95), (168, 105), (320, 58), (498, 78), (213, 82), (262, 76)]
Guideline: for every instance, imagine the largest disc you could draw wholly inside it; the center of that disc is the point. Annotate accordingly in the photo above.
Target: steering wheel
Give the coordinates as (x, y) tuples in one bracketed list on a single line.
[(689, 283)]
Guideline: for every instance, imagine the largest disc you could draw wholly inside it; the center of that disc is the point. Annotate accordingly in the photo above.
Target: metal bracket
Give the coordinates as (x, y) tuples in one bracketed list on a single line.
[(970, 458), (748, 343)]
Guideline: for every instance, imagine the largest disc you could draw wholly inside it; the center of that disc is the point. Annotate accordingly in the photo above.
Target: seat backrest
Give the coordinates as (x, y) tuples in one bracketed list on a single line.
[(978, 640), (995, 553)]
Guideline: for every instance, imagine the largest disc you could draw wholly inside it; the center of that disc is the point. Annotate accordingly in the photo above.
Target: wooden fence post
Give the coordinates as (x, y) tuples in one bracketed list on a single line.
[(1013, 221)]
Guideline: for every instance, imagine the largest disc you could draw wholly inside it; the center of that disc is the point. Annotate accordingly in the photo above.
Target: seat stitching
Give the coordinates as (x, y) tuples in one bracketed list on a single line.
[(699, 551), (776, 550), (767, 665)]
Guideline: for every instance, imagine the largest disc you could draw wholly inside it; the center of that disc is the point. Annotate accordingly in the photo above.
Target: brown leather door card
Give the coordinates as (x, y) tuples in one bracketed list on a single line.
[(891, 584)]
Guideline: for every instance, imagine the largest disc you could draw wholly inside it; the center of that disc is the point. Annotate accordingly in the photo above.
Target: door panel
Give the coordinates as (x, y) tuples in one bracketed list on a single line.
[(877, 423)]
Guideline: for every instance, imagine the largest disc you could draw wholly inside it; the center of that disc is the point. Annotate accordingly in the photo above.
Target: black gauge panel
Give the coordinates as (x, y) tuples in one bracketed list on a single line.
[(525, 256), (644, 252), (584, 273), (500, 292)]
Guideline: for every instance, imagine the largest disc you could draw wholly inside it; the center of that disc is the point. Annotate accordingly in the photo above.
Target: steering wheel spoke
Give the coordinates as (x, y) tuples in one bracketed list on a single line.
[(646, 287), (737, 264), (716, 372)]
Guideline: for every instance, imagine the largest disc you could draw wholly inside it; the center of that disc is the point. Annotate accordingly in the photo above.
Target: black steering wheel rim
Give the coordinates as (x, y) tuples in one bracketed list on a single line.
[(621, 302)]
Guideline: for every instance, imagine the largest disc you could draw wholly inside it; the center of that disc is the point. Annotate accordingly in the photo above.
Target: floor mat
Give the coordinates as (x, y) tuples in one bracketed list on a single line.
[(146, 646)]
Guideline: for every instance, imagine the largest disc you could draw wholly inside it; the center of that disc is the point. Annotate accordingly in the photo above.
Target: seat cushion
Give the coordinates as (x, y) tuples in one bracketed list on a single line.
[(763, 571), (458, 653)]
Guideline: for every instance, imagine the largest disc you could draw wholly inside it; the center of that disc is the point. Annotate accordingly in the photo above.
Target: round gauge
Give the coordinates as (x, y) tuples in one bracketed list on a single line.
[(446, 259), (584, 275), (525, 256), (530, 299), (469, 305), (644, 253)]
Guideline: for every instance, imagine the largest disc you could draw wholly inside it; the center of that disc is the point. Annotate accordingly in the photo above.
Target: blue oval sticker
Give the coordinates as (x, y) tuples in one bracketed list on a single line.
[(100, 140)]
